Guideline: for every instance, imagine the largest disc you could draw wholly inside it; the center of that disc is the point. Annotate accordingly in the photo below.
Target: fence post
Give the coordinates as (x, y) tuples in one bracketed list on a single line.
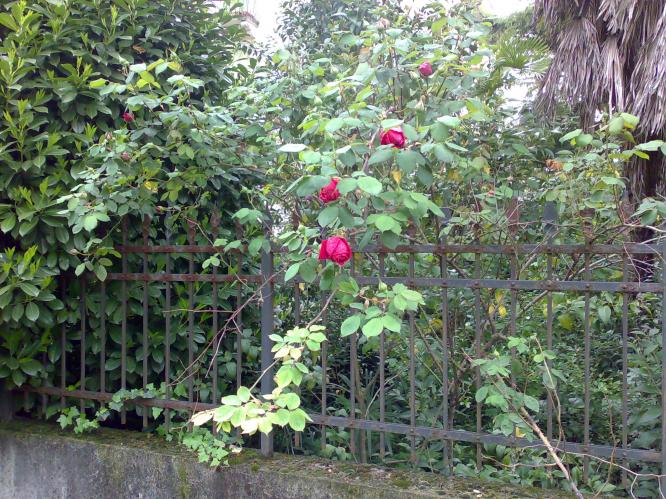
[(266, 343)]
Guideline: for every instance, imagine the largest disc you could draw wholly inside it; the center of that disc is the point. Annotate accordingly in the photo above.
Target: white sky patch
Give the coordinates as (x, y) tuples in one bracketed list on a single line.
[(268, 11)]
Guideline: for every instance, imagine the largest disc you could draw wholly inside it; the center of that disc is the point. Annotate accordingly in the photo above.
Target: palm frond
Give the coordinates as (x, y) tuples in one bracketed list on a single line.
[(611, 80), (572, 75), (648, 80)]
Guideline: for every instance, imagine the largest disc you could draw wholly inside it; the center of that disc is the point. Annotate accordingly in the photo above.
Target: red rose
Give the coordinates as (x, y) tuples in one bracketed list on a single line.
[(127, 117), (125, 156), (425, 69), (330, 193), (393, 136), (336, 249)]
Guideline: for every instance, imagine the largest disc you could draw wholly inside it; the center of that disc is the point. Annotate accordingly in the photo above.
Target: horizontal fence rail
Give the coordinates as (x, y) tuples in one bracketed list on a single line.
[(257, 276)]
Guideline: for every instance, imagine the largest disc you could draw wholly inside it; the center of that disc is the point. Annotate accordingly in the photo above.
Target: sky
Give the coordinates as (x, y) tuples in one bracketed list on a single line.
[(267, 11)]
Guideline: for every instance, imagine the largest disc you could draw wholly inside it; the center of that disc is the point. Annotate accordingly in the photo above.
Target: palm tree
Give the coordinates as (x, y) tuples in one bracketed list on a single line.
[(610, 55)]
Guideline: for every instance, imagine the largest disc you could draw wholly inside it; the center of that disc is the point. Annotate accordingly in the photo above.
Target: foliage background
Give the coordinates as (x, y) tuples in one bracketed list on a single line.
[(212, 133)]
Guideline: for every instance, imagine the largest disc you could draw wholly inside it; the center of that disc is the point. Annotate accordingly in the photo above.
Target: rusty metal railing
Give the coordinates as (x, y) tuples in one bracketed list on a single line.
[(266, 283)]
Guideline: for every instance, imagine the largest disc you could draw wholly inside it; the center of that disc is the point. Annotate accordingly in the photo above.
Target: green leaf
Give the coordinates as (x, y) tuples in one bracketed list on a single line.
[(291, 272), (392, 323), (89, 222), (346, 185), (373, 327), (616, 125), (244, 394), (450, 121), (409, 159), (350, 325), (327, 216), (32, 311), (297, 420), (292, 148), (571, 135), (99, 82), (255, 245), (8, 223), (381, 155), (531, 403), (30, 366), (370, 185)]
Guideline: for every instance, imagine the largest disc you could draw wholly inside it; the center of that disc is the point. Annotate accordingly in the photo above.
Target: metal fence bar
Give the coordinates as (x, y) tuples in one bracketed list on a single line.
[(63, 348), (412, 371), (477, 349), (267, 309), (625, 361), (167, 332), (190, 319), (102, 338), (144, 303), (605, 451), (123, 324), (83, 313), (444, 293), (382, 371), (217, 338), (353, 367), (564, 249), (588, 345), (549, 218)]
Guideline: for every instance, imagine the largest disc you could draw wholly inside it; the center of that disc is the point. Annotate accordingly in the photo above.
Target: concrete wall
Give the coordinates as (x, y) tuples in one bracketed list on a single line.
[(39, 461)]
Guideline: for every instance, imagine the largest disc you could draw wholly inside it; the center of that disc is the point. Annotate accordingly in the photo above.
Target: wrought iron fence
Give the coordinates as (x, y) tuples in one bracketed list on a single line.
[(370, 266)]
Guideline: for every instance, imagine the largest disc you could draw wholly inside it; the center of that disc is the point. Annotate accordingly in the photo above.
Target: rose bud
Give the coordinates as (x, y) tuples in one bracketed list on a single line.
[(425, 69), (330, 193), (125, 156), (394, 136), (336, 249), (127, 117)]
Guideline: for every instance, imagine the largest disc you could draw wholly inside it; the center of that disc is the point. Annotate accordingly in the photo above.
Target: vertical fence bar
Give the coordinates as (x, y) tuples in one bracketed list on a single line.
[(167, 330), (382, 372), (513, 216), (83, 339), (123, 323), (102, 338), (190, 319), (63, 347), (662, 479), (477, 349), (412, 372), (239, 316), (625, 356), (298, 442), (550, 217), (324, 381), (144, 343), (444, 292), (353, 366), (214, 225), (267, 310), (588, 345)]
